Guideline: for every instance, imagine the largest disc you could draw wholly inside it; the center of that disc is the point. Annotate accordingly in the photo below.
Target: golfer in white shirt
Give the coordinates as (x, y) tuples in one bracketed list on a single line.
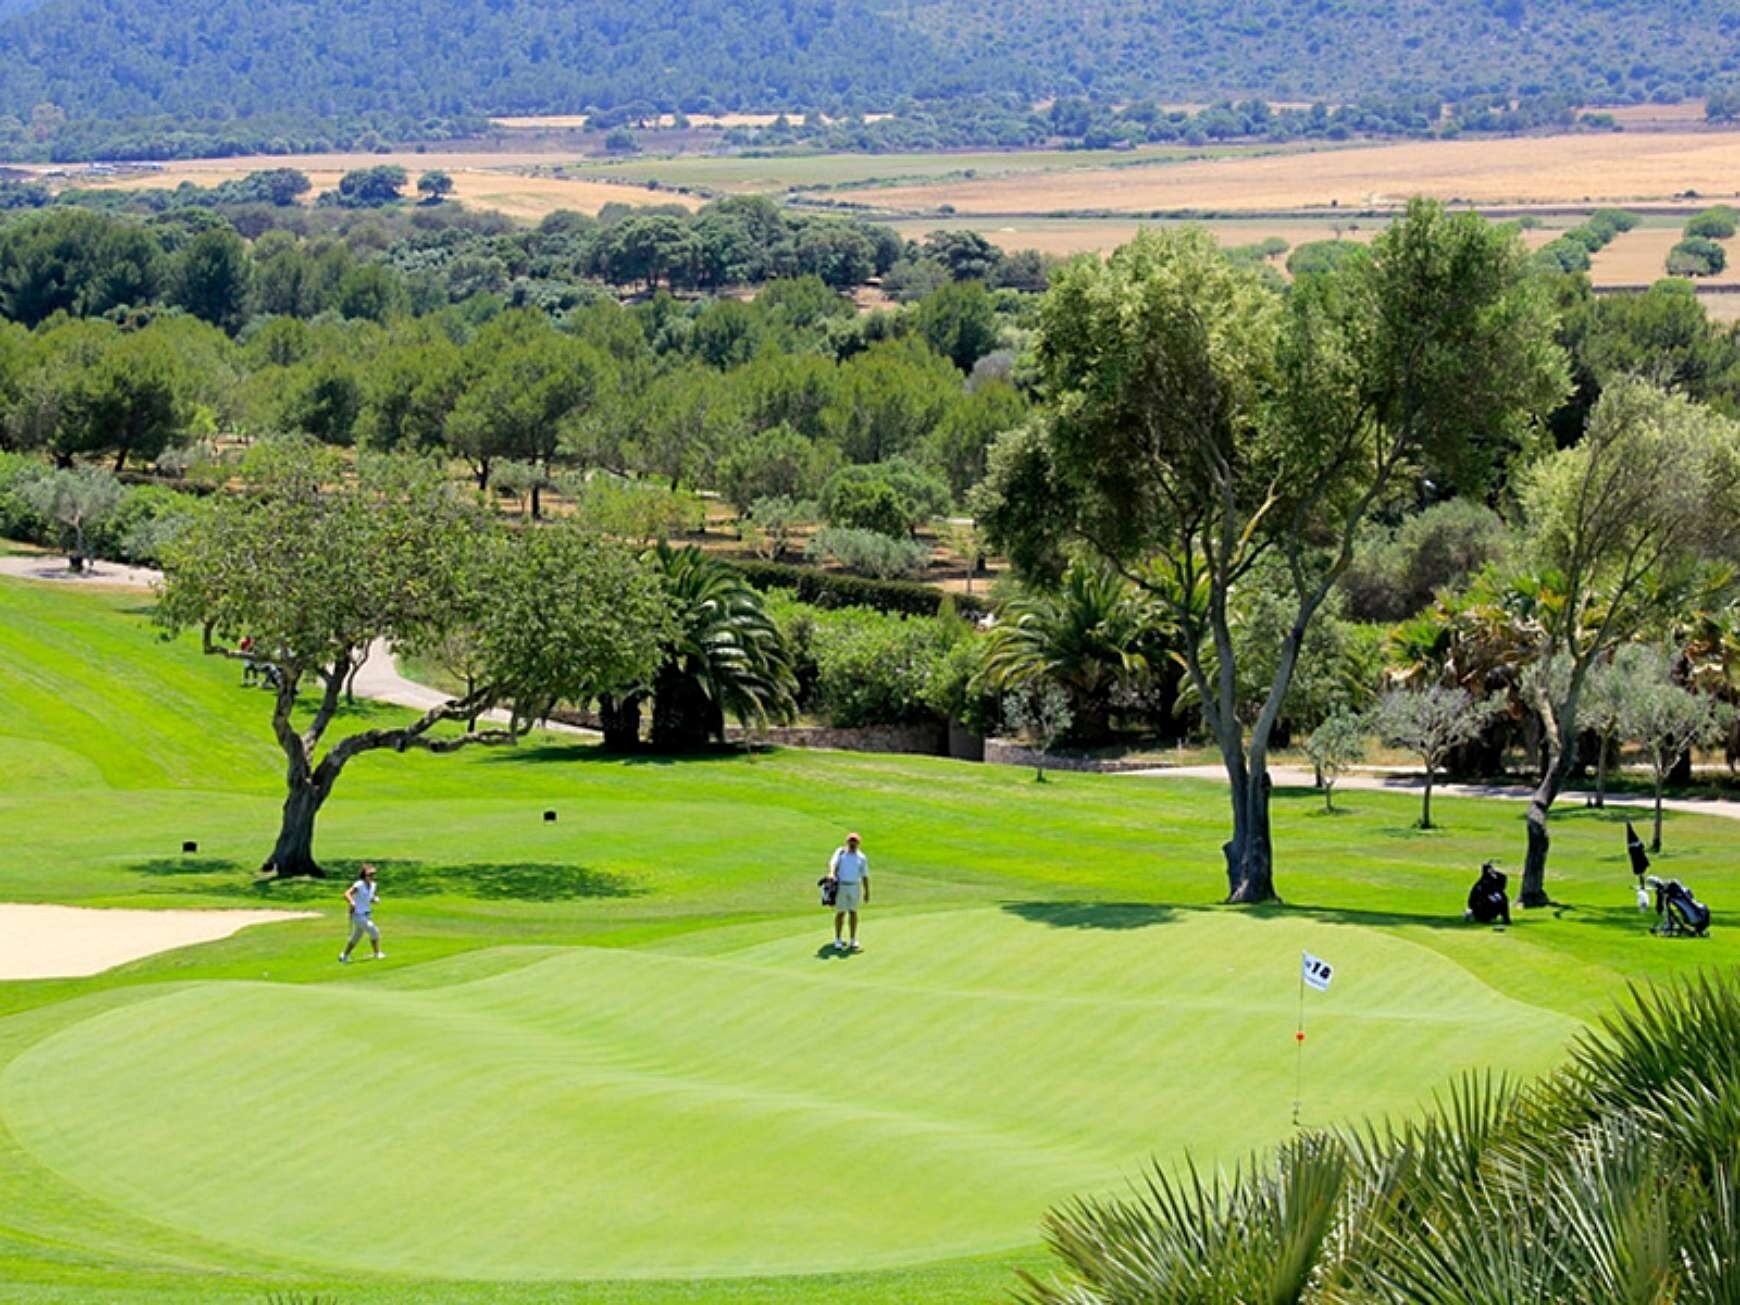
[(361, 897), (850, 870)]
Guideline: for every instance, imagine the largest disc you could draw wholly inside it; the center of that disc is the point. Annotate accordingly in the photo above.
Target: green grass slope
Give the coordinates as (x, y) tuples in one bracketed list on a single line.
[(609, 1059)]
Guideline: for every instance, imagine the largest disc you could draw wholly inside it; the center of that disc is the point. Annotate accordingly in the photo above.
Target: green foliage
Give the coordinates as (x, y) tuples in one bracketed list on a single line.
[(959, 321), (877, 669), (725, 657), (1715, 223), (1335, 746), (1609, 1180), (1396, 571), (1696, 256), (827, 590), (771, 524), (1315, 257), (1093, 637), (636, 510), (774, 463), (371, 187), (869, 552), (73, 499), (890, 497)]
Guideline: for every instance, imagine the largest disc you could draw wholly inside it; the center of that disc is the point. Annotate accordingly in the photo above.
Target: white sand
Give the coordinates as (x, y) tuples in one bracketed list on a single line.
[(61, 942)]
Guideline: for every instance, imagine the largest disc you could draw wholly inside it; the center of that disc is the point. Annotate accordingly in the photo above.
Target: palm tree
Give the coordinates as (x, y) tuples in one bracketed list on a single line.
[(1614, 1179), (727, 658), (1090, 637)]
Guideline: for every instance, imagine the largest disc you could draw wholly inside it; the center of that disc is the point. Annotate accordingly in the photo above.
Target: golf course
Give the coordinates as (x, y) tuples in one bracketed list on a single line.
[(614, 1057)]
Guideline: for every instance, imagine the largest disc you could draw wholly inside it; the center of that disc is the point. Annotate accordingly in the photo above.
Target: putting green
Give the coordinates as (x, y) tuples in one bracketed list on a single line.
[(763, 1108)]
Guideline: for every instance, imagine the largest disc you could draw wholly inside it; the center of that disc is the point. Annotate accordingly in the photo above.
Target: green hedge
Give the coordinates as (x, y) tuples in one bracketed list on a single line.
[(825, 589)]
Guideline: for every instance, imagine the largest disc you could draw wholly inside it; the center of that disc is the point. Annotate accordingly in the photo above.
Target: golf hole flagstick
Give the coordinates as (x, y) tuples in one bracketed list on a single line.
[(1314, 973)]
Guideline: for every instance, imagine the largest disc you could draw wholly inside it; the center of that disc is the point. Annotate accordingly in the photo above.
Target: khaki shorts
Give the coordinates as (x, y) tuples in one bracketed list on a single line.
[(359, 926), (849, 897)]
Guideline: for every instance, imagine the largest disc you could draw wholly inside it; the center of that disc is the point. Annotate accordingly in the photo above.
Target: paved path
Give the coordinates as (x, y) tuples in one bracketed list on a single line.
[(96, 575), (1402, 781), (378, 679)]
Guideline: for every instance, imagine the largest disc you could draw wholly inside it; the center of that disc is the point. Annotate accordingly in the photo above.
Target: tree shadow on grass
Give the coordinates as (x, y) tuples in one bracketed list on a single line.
[(171, 866), (516, 881), (1091, 915)]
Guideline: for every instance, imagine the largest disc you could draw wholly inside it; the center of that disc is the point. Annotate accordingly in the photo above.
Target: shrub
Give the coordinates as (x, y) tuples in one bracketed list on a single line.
[(19, 519), (1717, 223), (1696, 256), (771, 523), (869, 552), (891, 497), (877, 669), (777, 462), (827, 590), (1612, 221), (139, 525), (1395, 573), (956, 689)]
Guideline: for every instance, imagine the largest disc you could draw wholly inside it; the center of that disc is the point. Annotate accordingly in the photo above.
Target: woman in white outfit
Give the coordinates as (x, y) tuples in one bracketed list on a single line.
[(361, 897)]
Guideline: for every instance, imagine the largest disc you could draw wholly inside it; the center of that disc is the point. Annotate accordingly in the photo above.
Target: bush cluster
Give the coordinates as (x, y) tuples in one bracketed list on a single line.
[(825, 590)]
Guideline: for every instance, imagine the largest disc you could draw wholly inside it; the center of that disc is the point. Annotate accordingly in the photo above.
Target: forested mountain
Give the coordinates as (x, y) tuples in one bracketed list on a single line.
[(213, 66)]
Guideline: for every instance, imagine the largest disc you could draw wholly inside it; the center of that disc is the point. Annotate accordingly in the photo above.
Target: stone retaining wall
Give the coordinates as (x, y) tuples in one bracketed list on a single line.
[(1004, 752)]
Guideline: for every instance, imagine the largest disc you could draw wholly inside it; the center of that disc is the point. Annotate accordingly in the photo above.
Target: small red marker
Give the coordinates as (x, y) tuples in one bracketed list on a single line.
[(1300, 1035)]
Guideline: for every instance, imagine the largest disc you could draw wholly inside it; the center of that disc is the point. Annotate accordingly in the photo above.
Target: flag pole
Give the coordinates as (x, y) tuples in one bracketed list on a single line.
[(1299, 1046)]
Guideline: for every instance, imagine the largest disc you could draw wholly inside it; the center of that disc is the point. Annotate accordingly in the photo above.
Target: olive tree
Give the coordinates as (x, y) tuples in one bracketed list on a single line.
[(1618, 525), (1431, 723), (1668, 720), (316, 567), (75, 499), (1334, 747), (1196, 422)]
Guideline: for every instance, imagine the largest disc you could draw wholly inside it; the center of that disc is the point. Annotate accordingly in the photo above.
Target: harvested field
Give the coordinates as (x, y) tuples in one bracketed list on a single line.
[(486, 181), (744, 174), (1639, 257), (1065, 236), (1647, 117), (1594, 169)]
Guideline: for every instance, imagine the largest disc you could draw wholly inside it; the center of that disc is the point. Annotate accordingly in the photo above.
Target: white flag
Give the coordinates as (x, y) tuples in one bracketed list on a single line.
[(1317, 971)]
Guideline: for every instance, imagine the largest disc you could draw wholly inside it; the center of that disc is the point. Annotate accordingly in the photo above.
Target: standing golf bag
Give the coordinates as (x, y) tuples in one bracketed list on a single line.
[(1678, 913), (1488, 902)]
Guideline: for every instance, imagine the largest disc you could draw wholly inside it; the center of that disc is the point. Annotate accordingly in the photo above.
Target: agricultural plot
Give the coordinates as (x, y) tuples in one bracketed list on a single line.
[(504, 182), (612, 1054), (1593, 169)]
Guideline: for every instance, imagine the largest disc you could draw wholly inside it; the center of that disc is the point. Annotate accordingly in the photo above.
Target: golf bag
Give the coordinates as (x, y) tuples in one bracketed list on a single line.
[(1678, 913), (1488, 902)]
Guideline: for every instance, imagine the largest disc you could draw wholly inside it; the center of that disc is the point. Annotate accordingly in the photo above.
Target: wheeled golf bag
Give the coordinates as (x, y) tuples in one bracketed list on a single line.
[(1488, 900), (1678, 912)]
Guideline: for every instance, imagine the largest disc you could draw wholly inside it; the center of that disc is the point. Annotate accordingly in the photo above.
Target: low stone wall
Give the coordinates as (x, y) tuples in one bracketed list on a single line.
[(919, 740), (1005, 752)]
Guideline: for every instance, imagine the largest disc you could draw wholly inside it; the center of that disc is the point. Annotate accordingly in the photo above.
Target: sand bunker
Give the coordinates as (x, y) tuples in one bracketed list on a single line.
[(63, 942)]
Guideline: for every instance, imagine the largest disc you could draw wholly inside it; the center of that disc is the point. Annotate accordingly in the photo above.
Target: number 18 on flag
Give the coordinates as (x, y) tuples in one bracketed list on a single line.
[(1316, 971)]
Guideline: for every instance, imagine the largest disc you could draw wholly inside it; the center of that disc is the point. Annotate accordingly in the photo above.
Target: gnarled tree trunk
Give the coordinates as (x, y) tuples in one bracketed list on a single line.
[(293, 854), (1560, 762)]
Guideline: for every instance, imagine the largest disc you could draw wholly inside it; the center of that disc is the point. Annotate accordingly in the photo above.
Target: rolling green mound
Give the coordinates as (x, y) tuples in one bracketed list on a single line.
[(610, 1113), (610, 1059)]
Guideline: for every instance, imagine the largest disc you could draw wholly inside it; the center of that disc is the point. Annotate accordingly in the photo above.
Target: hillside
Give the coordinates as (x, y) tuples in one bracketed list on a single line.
[(430, 65)]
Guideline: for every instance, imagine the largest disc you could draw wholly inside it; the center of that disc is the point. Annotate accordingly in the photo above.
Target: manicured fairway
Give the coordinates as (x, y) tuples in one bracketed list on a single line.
[(610, 1059), (619, 1113)]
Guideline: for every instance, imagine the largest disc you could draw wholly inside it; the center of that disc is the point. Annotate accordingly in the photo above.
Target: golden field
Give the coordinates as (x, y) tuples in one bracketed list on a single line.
[(1592, 168), (497, 181)]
